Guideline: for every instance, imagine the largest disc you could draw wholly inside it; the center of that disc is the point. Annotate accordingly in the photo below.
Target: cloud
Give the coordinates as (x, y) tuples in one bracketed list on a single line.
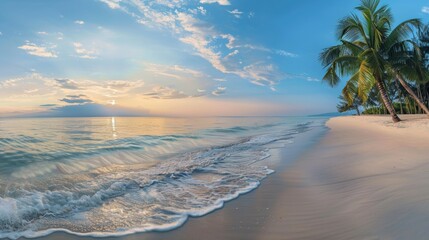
[(202, 10), (159, 92), (80, 22), (231, 54), (76, 99), (10, 82), (119, 87), (106, 88), (305, 77), (39, 51), (82, 52), (48, 105), (264, 49), (173, 71), (89, 110), (219, 91), (425, 9), (42, 33), (29, 91), (66, 84), (221, 49), (113, 4), (236, 13), (231, 40), (219, 80), (220, 2), (261, 74), (26, 88), (312, 79), (285, 53)]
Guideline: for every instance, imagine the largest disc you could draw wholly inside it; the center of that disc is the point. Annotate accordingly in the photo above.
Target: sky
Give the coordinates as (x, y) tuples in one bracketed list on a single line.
[(171, 57)]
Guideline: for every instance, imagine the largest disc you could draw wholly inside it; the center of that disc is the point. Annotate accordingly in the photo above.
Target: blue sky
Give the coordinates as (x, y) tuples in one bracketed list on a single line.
[(172, 57)]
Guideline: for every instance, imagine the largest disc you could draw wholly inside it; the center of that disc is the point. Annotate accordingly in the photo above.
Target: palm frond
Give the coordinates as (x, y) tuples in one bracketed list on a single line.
[(331, 76), (401, 32), (366, 80)]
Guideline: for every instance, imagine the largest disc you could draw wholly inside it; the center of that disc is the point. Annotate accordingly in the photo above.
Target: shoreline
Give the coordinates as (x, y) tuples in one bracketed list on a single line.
[(279, 153), (366, 178)]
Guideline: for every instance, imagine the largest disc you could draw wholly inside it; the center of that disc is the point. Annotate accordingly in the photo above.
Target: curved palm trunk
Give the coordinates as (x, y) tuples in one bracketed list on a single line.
[(386, 101), (413, 95), (357, 110)]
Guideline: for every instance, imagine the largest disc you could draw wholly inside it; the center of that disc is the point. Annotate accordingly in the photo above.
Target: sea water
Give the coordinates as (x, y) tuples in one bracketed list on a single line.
[(115, 176)]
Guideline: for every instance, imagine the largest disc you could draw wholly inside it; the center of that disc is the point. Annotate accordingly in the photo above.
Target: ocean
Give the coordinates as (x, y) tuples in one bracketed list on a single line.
[(116, 176)]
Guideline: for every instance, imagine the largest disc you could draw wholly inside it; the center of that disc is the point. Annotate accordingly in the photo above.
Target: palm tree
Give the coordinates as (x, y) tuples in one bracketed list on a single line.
[(369, 52), (345, 106), (407, 62)]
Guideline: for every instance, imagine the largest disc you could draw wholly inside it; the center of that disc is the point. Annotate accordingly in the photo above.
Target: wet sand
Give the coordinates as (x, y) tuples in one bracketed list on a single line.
[(365, 179)]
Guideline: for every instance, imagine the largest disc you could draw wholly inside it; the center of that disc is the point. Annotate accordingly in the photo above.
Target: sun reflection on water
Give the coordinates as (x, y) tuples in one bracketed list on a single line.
[(114, 134)]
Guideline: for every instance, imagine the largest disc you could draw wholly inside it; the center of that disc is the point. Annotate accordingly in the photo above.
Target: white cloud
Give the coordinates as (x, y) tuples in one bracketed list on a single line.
[(220, 2), (170, 3), (160, 92), (200, 37), (10, 82), (205, 40), (173, 71), (285, 53), (121, 86), (236, 13), (80, 22), (113, 4), (233, 53), (42, 33), (312, 79), (305, 77), (219, 91), (264, 49), (425, 9), (231, 40), (261, 74), (25, 88), (219, 80), (202, 10), (83, 52), (39, 51), (29, 91)]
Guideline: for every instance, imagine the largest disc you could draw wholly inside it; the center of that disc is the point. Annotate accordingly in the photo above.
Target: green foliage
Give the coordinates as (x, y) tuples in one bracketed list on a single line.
[(371, 51)]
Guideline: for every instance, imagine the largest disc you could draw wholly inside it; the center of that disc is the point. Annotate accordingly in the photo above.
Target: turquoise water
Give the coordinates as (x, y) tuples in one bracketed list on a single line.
[(114, 176)]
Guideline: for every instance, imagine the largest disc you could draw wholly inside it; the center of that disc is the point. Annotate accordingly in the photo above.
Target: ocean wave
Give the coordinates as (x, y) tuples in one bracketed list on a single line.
[(129, 191)]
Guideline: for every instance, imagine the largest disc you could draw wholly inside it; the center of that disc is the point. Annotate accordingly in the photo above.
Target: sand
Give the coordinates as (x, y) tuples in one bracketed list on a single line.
[(366, 178)]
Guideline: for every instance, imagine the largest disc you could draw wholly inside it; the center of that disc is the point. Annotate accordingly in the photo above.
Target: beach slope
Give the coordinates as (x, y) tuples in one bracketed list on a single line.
[(367, 179)]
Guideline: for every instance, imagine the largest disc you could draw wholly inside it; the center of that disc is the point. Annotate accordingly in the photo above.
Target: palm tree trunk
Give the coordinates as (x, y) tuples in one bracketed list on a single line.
[(413, 95), (400, 97), (386, 101), (357, 110)]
